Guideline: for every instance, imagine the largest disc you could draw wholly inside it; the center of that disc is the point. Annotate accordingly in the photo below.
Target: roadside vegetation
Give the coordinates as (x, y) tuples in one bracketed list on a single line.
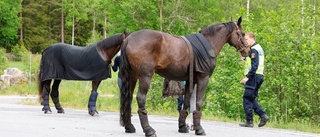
[(287, 30)]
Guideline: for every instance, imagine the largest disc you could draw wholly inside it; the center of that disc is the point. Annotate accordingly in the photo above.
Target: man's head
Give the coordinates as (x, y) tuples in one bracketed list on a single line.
[(250, 38)]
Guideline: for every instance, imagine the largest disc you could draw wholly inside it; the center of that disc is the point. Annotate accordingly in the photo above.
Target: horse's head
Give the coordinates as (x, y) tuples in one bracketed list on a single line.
[(237, 40), (110, 46)]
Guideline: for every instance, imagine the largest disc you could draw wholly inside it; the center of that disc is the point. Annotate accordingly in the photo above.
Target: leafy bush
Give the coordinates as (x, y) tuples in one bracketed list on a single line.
[(19, 51), (3, 60), (31, 63)]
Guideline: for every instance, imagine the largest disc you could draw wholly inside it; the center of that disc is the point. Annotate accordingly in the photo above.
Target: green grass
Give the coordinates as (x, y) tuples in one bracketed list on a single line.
[(16, 64)]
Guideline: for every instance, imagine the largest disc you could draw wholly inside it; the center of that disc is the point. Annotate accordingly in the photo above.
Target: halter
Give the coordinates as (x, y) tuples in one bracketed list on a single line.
[(240, 37)]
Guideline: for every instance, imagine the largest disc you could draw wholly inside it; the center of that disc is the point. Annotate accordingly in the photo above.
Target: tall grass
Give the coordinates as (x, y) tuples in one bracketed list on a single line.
[(16, 64)]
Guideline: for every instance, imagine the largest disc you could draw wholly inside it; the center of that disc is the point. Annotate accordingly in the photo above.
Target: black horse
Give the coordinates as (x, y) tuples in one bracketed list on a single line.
[(66, 62), (146, 52)]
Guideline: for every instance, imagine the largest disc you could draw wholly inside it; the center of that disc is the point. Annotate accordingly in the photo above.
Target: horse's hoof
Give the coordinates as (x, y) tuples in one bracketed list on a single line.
[(130, 129), (183, 129), (200, 132), (154, 135), (150, 132), (47, 112), (191, 127), (60, 110), (92, 113)]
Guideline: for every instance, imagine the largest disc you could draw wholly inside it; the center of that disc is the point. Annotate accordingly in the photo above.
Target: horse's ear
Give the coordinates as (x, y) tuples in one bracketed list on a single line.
[(239, 21), (231, 19), (126, 33)]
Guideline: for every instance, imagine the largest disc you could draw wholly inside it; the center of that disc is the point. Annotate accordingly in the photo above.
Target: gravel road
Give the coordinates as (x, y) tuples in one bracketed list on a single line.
[(18, 120)]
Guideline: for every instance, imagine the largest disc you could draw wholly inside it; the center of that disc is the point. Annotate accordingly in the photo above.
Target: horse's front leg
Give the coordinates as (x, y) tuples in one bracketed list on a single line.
[(93, 98), (201, 86), (45, 96), (55, 96), (144, 84)]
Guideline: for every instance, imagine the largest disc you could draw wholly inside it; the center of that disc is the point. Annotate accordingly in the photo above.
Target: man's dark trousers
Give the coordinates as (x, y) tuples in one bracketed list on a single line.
[(249, 98)]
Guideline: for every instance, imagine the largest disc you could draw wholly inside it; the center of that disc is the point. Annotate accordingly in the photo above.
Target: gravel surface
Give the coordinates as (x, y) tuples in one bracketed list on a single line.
[(29, 121)]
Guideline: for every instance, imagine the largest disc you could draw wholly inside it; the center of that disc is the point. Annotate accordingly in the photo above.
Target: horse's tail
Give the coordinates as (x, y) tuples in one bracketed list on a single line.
[(40, 82), (125, 92)]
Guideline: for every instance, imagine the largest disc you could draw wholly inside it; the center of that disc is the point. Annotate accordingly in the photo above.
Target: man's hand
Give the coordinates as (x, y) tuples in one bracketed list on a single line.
[(112, 63), (244, 80), (243, 59)]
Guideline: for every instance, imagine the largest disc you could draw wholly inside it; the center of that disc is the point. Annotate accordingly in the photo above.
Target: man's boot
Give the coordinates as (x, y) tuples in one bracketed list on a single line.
[(249, 123), (263, 120)]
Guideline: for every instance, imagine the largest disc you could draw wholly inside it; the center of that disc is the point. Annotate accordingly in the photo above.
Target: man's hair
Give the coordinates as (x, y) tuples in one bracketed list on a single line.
[(251, 35)]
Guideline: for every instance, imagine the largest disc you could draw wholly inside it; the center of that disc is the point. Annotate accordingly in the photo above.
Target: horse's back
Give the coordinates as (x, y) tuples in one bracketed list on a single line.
[(64, 61), (73, 50), (151, 49)]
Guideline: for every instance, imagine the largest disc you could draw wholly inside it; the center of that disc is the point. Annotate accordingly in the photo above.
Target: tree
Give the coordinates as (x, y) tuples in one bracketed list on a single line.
[(9, 22), (76, 11)]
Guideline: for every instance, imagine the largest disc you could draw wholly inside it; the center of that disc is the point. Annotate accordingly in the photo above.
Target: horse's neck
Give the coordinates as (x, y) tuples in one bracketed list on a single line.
[(217, 44), (109, 53)]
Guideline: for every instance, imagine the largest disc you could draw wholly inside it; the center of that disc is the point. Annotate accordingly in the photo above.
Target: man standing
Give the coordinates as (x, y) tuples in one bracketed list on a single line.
[(253, 80), (116, 67)]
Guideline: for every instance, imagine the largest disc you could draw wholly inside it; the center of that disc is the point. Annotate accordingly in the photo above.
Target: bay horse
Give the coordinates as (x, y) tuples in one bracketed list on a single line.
[(67, 62), (147, 52)]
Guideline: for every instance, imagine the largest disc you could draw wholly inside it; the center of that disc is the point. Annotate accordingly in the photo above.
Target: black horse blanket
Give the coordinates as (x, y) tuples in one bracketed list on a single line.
[(64, 61), (204, 57)]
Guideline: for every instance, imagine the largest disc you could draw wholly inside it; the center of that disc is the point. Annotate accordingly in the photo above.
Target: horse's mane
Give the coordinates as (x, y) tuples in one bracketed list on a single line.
[(211, 30), (110, 41)]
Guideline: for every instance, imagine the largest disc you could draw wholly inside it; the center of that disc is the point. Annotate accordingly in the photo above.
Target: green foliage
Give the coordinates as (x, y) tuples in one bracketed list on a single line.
[(155, 102), (31, 63), (95, 37), (19, 51), (291, 66), (36, 25), (290, 39), (9, 22), (3, 60)]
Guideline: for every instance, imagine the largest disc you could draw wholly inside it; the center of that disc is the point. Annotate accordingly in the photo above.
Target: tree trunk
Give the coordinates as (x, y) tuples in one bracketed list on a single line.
[(160, 14), (62, 22), (94, 21), (105, 26), (94, 24), (314, 17), (302, 16), (248, 9), (73, 23), (21, 27)]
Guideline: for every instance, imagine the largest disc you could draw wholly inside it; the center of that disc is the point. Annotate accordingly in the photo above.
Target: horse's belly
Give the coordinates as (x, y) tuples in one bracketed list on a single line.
[(173, 74)]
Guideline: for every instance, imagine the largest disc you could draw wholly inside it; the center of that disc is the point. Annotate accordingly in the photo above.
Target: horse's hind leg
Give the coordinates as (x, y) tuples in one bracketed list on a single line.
[(55, 96), (93, 98), (45, 97), (183, 128), (129, 128), (144, 84)]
